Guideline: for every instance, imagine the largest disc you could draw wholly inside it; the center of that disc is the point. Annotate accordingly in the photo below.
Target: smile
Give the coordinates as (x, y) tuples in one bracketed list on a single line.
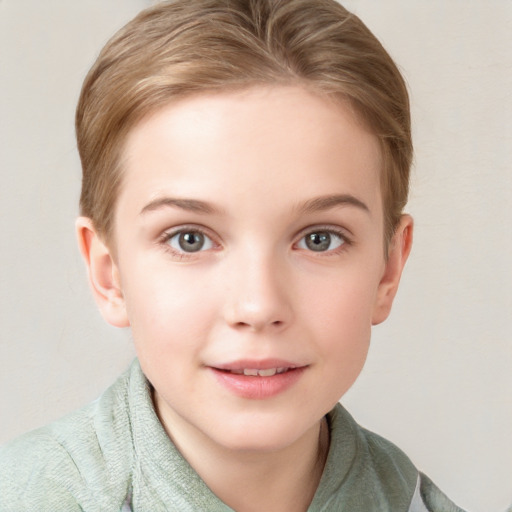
[(246, 381)]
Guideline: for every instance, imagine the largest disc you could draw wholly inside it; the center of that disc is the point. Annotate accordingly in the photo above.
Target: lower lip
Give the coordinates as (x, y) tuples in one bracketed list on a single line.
[(258, 388)]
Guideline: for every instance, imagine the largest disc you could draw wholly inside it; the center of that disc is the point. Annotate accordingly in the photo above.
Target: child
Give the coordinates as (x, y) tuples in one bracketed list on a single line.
[(245, 168)]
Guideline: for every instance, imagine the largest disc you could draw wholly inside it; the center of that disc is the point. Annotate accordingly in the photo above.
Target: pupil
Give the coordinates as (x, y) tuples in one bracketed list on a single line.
[(191, 241), (318, 241)]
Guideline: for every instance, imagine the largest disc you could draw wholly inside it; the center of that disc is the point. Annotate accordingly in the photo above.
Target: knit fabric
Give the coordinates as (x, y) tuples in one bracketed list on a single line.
[(114, 455)]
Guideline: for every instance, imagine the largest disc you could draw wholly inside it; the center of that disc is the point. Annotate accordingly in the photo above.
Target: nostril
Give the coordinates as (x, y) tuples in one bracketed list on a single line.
[(258, 325)]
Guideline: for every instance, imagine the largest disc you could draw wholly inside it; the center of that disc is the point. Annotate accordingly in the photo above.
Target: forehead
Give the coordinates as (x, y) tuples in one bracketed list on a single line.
[(284, 142)]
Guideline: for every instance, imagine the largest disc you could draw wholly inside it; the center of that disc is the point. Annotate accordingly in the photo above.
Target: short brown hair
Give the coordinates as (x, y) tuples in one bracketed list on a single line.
[(181, 47)]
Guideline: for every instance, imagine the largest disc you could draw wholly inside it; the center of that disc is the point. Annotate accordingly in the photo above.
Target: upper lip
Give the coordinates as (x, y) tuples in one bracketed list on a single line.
[(257, 364)]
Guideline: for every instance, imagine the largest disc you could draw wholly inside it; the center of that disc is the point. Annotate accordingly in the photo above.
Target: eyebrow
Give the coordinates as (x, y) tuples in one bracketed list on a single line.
[(323, 203), (317, 204), (191, 205)]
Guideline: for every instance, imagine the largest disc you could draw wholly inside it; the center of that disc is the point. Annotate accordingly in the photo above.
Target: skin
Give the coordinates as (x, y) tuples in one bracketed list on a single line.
[(255, 171)]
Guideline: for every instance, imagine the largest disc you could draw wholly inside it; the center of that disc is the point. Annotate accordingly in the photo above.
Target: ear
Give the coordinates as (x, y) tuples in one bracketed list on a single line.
[(103, 274), (398, 252)]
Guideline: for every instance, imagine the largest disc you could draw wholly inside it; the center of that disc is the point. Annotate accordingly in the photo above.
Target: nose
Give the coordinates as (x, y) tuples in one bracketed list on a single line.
[(258, 294)]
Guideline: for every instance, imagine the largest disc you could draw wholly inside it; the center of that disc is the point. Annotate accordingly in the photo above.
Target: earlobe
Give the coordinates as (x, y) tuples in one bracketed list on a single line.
[(103, 274), (399, 250)]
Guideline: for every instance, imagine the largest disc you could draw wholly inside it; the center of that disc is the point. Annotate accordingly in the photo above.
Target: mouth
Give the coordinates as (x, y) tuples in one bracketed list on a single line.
[(258, 380), (254, 372)]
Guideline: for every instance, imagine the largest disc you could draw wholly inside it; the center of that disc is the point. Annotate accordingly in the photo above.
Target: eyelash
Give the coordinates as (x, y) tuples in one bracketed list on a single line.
[(182, 255), (346, 241)]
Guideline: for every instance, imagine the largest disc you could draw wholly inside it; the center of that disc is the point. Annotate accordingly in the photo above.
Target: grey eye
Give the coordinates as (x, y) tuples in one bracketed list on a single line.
[(190, 241), (321, 241)]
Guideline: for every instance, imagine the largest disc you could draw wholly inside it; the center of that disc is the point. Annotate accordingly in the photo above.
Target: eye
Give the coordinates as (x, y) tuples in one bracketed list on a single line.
[(321, 241), (190, 241)]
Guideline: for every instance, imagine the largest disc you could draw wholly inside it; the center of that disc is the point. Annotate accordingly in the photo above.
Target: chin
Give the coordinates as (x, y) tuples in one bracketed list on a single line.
[(257, 444), (259, 436)]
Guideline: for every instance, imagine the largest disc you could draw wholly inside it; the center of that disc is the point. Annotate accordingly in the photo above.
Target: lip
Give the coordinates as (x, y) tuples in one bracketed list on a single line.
[(257, 364), (257, 387)]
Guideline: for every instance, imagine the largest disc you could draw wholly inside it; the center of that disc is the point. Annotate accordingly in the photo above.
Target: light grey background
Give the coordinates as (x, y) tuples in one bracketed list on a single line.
[(438, 381)]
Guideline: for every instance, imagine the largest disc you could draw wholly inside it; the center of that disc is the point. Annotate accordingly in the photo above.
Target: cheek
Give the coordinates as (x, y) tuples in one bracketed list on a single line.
[(165, 307), (341, 315), (170, 321), (342, 299), (343, 324)]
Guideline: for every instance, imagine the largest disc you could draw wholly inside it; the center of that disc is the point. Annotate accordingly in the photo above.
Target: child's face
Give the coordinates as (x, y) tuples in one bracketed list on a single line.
[(249, 236)]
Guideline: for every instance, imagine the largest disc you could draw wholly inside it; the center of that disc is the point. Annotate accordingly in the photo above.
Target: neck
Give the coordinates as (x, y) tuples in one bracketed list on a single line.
[(284, 480)]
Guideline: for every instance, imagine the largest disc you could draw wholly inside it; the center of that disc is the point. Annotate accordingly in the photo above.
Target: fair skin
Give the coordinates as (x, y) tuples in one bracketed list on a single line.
[(248, 236)]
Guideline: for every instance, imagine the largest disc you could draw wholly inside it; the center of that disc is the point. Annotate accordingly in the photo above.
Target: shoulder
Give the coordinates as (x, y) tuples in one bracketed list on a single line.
[(389, 458), (31, 471), (78, 462), (359, 460), (386, 462), (433, 499), (377, 463)]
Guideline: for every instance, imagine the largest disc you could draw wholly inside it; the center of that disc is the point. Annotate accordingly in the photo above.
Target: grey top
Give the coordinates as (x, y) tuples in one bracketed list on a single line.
[(114, 455)]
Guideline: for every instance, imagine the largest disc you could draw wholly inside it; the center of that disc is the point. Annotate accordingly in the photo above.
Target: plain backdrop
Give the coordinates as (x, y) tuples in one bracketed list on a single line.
[(438, 381)]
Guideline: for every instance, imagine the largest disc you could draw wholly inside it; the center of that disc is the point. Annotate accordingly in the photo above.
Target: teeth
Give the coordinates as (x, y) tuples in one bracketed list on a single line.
[(253, 372), (267, 373)]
